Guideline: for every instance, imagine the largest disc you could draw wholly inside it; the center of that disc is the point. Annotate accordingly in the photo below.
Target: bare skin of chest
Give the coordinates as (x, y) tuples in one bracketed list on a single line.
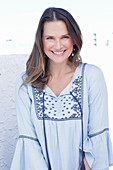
[(57, 85)]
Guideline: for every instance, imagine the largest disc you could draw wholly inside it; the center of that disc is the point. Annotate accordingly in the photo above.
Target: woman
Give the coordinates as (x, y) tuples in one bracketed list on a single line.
[(62, 103)]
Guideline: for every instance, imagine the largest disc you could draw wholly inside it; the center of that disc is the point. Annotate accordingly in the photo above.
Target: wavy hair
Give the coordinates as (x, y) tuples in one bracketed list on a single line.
[(37, 64)]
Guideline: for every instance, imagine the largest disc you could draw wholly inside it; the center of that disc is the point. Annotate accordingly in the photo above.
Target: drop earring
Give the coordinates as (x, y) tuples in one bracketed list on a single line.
[(73, 52), (45, 55)]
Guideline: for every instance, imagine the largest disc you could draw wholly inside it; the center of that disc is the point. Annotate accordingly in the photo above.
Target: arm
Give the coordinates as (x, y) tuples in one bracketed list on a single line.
[(28, 153), (98, 124), (97, 143)]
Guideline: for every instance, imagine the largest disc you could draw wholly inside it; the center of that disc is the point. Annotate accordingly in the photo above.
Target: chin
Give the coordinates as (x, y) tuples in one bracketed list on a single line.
[(60, 61)]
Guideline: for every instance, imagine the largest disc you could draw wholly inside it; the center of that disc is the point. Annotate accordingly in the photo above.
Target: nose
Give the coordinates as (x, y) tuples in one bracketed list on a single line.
[(58, 44)]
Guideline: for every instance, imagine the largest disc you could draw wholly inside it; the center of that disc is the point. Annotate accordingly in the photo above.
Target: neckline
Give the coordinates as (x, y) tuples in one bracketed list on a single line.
[(47, 89)]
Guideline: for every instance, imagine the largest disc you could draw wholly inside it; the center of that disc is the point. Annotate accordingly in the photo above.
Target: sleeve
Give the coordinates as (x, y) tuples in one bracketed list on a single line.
[(28, 153), (97, 146)]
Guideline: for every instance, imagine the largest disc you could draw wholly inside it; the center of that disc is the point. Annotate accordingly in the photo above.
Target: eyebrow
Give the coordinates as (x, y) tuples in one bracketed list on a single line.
[(53, 36)]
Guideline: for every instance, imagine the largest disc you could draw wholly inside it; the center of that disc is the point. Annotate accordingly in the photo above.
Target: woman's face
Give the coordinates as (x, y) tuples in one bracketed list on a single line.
[(57, 43)]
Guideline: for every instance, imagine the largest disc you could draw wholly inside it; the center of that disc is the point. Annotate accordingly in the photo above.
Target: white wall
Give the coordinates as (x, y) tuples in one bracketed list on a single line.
[(10, 67)]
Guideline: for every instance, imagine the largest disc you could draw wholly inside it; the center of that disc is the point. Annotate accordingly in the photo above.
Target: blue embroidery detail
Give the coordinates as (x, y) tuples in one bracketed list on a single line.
[(57, 110), (77, 91)]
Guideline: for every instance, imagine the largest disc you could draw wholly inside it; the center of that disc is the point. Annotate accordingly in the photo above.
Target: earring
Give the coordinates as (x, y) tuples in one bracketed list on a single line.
[(73, 52), (45, 55)]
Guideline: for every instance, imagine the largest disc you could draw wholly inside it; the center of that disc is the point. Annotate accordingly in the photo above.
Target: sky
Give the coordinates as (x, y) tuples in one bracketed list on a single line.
[(19, 21)]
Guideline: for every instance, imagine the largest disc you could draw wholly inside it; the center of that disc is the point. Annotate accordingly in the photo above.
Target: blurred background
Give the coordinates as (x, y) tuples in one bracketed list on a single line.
[(18, 24)]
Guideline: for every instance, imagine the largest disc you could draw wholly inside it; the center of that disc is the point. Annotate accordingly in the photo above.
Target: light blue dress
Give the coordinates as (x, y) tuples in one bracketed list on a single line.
[(62, 117)]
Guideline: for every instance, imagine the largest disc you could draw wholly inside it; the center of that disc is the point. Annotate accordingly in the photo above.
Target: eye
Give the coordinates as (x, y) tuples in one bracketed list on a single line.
[(66, 37), (49, 38)]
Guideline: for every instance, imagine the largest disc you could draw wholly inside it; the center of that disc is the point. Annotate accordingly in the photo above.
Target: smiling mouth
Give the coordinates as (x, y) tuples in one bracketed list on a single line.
[(58, 52)]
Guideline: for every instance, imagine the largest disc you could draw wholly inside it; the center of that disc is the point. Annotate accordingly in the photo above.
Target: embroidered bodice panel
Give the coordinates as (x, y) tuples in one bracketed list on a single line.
[(65, 107)]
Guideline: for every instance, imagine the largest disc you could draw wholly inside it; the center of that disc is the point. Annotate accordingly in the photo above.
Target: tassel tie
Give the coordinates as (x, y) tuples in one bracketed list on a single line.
[(45, 137), (82, 163)]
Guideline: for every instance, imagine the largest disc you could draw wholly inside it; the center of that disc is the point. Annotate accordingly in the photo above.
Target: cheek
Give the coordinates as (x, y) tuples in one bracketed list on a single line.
[(68, 44), (47, 45)]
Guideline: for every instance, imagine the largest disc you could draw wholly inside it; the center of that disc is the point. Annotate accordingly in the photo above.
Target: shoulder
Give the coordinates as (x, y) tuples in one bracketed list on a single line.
[(94, 76), (90, 68), (20, 78), (23, 90), (19, 81), (93, 72)]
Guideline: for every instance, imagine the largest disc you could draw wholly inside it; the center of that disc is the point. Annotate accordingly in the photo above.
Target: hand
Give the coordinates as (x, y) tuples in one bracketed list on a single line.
[(86, 165)]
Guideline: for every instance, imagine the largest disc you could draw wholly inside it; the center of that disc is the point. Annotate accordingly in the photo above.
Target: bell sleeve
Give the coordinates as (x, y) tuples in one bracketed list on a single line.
[(28, 153), (97, 145)]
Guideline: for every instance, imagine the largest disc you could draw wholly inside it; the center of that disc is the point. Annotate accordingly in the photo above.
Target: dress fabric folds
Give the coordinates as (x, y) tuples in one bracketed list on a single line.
[(62, 116)]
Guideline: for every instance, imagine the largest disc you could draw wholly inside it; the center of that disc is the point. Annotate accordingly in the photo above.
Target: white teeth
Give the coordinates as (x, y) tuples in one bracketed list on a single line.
[(58, 52)]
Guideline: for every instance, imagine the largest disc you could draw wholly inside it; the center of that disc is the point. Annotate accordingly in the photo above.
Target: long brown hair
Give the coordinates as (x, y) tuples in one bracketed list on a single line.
[(36, 66)]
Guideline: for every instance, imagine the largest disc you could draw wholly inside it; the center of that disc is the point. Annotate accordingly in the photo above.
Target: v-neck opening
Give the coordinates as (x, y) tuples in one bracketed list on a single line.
[(61, 93)]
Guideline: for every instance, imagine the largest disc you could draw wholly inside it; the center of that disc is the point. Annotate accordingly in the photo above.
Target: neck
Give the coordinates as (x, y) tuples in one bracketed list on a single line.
[(59, 70)]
